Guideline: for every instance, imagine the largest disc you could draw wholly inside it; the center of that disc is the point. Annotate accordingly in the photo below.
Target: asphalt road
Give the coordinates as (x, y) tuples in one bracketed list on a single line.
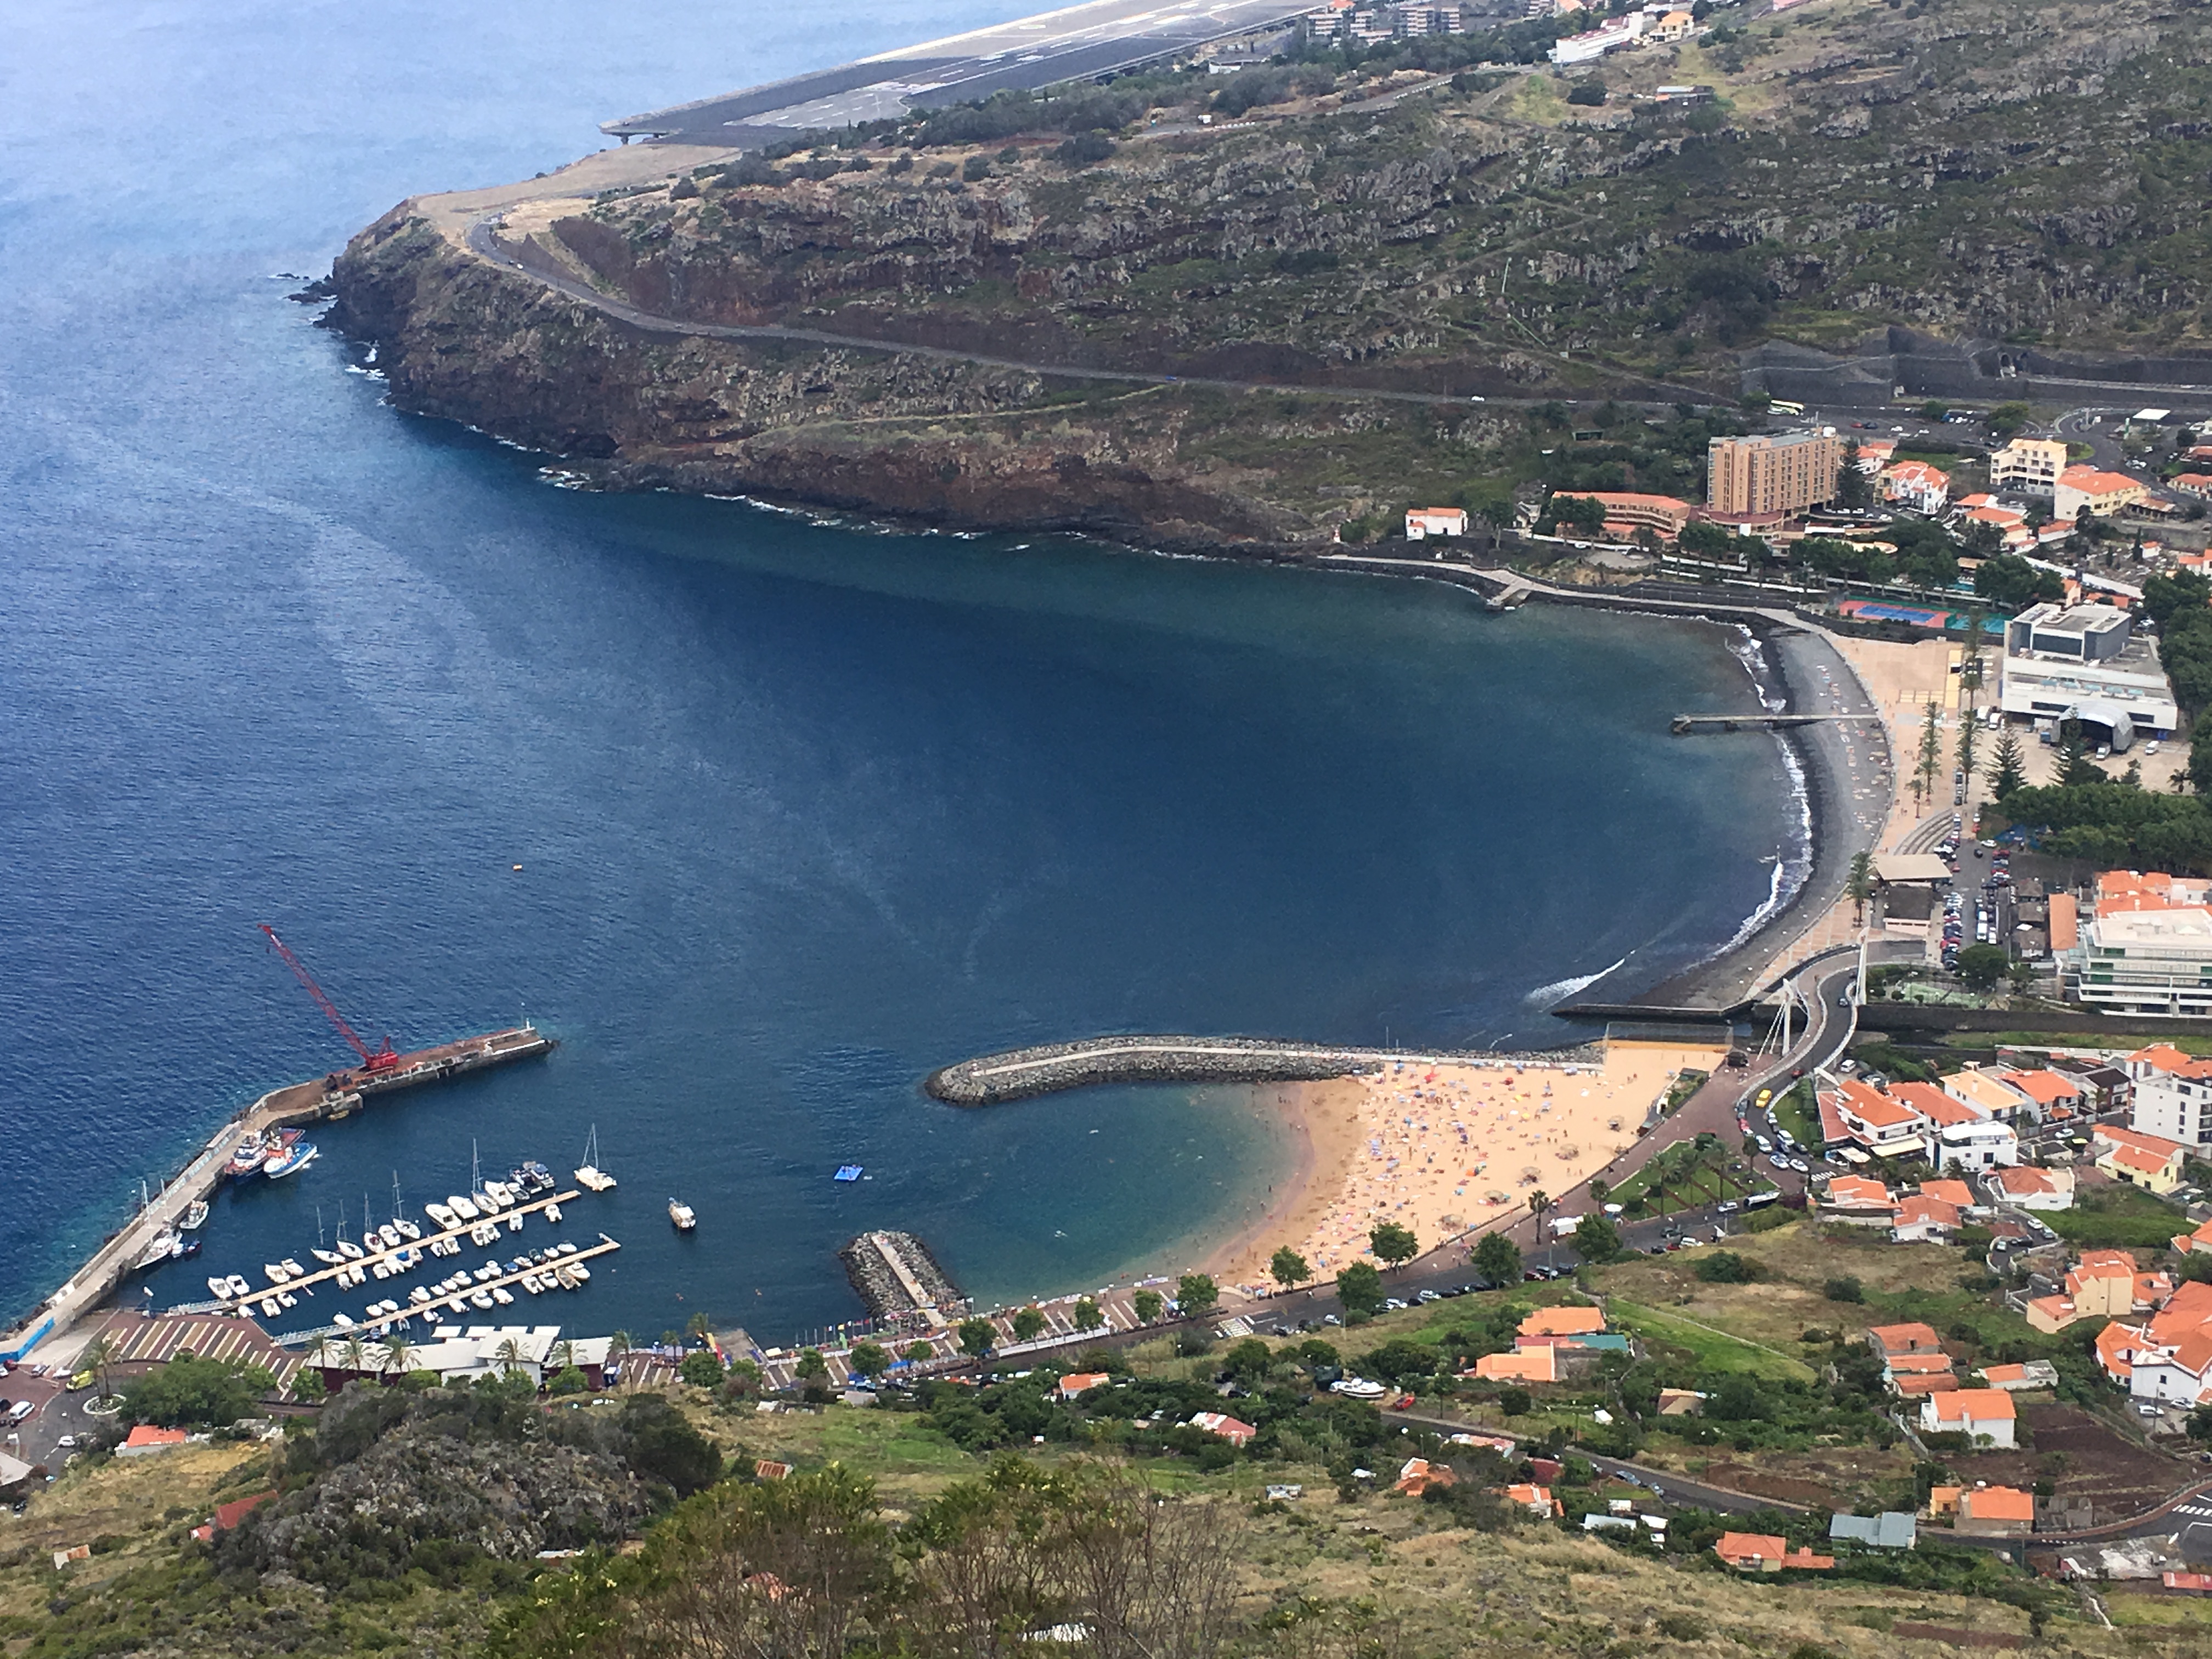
[(2100, 427)]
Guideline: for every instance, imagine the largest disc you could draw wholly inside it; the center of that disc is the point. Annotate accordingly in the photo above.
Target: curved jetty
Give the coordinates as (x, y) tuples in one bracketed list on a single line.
[(1022, 1072)]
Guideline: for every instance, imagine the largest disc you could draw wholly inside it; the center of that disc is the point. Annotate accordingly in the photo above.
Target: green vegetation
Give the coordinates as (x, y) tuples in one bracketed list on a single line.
[(1710, 1350), (192, 1392)]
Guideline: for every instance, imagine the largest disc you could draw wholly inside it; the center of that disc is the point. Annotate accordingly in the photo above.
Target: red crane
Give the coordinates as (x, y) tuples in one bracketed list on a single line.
[(383, 1059)]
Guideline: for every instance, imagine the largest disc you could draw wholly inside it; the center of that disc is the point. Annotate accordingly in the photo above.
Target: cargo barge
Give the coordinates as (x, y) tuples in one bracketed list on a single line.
[(336, 1095)]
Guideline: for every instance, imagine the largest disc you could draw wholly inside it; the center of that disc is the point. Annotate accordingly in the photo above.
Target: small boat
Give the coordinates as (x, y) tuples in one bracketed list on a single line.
[(408, 1231), (349, 1250), (290, 1160), (418, 1294), (565, 1248), (390, 1235), (515, 1222), (218, 1287), (165, 1246), (529, 1282), (480, 1299), (236, 1285), (274, 1273), (588, 1173), (553, 1213), (343, 1321), (269, 1307), (287, 1300), (499, 1193), (441, 1214), (293, 1268), (681, 1214), (378, 1268), (196, 1215), (583, 1274), (461, 1207), (251, 1154), (565, 1276), (328, 1258), (501, 1294)]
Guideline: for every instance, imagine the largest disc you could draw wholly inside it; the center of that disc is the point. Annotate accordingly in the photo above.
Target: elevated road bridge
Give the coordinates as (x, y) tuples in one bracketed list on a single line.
[(1080, 43)]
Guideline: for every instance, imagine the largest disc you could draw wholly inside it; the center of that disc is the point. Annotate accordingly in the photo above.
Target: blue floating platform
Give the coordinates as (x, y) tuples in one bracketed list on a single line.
[(848, 1172)]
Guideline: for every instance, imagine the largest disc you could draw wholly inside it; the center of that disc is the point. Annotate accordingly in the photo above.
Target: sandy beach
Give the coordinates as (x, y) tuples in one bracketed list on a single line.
[(1443, 1147)]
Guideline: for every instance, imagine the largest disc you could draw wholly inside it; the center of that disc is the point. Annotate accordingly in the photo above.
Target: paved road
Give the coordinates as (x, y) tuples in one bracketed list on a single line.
[(2100, 427), (483, 242)]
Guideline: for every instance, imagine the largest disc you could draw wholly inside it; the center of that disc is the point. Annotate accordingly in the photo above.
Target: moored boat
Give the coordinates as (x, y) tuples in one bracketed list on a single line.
[(439, 1213), (389, 1235), (328, 1258), (588, 1174), (165, 1246), (251, 1154), (461, 1206), (218, 1285), (236, 1285), (681, 1214), (293, 1267), (290, 1160), (196, 1215)]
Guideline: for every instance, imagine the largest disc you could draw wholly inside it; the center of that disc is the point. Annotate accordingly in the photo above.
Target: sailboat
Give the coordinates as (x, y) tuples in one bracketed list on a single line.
[(347, 1248), (327, 1257), (407, 1229), (588, 1173)]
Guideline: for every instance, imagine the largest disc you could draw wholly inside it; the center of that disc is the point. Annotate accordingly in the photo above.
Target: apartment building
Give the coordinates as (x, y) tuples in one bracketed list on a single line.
[(1769, 473), (2029, 466)]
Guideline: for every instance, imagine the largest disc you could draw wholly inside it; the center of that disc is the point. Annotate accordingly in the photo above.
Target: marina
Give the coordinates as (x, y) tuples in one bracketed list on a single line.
[(181, 1204)]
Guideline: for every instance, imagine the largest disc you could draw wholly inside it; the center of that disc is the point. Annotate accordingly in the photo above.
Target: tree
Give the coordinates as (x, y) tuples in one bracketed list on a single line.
[(1087, 1315), (1287, 1268), (918, 1353), (977, 1337), (1596, 1239), (1249, 1359), (870, 1359), (811, 1366), (1851, 489), (1360, 1288), (1845, 1289), (1589, 93), (1028, 1325), (1969, 734), (1147, 1306), (1981, 966), (1516, 1402), (2007, 419), (1196, 1296), (190, 1391), (1539, 1202), (398, 1351), (2011, 582), (699, 1328), (1931, 754), (1858, 886), (1934, 410), (1497, 1259), (99, 1357), (703, 1369), (2007, 766), (569, 1379), (307, 1386), (1393, 1244)]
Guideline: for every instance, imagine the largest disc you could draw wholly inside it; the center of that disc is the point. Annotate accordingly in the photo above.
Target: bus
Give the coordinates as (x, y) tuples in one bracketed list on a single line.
[(1783, 406)]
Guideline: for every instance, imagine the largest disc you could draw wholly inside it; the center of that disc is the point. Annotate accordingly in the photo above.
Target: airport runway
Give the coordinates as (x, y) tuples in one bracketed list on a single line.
[(1077, 43)]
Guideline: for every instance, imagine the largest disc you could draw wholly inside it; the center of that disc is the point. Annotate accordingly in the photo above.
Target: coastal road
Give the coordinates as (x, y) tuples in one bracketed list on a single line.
[(481, 240), (2100, 427)]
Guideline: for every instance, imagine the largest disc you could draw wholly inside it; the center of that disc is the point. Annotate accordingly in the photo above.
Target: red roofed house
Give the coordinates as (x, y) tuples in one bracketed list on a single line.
[(1758, 1551), (2178, 1376), (2182, 1312), (1563, 1321), (1418, 1474), (1952, 1192), (147, 1438), (1536, 1365), (1996, 1511), (2150, 1162), (1913, 1337), (1627, 512), (2026, 1187), (228, 1516), (1077, 1382), (1860, 1198), (2103, 493), (1917, 485), (1925, 1219), (1422, 522), (2048, 1090), (2201, 1239), (1224, 1427), (1979, 1413), (1882, 1124), (2172, 1101), (1537, 1500)]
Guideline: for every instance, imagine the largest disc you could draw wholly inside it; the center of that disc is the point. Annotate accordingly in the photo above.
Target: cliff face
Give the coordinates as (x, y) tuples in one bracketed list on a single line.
[(924, 438)]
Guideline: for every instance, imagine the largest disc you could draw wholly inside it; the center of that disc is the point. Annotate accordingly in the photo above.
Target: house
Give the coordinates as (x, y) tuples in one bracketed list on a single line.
[(1913, 1375), (1882, 1124), (1996, 1511), (146, 1439), (1979, 1413), (2103, 1284), (767, 1468), (1890, 1530), (1223, 1426), (1989, 1095), (2029, 466), (1418, 1474), (2103, 493), (2150, 1162), (2192, 483), (228, 1516), (2026, 1187), (1674, 26), (2028, 1375), (1859, 1198), (1680, 1402), (1917, 485), (2117, 1346), (1563, 1321), (1924, 1220), (1422, 522), (2200, 1240), (1952, 1192), (2054, 1094), (2178, 1376), (2172, 1099), (1889, 1340), (1537, 1364), (1758, 1551), (1627, 512), (1537, 1500), (1079, 1382)]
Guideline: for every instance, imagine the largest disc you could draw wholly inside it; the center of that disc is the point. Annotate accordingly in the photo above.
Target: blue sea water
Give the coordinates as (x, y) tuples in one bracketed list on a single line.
[(804, 807)]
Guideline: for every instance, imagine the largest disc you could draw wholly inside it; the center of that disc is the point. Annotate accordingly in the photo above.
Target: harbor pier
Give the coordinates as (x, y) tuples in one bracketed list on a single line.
[(336, 1094)]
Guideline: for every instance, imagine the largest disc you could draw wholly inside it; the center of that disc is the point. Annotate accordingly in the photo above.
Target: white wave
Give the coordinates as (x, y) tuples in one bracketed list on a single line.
[(1544, 996)]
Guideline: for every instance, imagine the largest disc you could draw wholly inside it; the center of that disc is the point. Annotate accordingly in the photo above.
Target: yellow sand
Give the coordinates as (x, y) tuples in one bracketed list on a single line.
[(1442, 1149)]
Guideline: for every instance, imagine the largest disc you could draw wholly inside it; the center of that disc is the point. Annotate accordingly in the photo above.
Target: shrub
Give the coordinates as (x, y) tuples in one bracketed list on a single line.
[(192, 1391), (1516, 1402), (1085, 150), (1846, 1289), (569, 1380), (701, 1368), (975, 169), (1589, 93), (1727, 1268)]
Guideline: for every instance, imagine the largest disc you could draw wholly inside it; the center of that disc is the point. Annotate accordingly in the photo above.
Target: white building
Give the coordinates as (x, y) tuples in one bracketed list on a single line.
[(2180, 1374), (1422, 522), (2174, 1100), (1976, 1147), (1588, 48), (2084, 662), (2148, 962), (1979, 1413), (2029, 466)]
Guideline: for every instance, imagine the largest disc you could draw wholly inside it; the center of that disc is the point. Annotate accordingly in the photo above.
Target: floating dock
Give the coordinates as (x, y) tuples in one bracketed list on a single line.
[(457, 1303), (336, 1094)]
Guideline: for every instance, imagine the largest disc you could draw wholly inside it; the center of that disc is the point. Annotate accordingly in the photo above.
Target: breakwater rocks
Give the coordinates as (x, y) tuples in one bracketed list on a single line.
[(1023, 1072), (897, 1276)]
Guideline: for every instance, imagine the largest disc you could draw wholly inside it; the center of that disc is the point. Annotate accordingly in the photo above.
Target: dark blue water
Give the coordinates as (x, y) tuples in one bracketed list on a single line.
[(803, 809)]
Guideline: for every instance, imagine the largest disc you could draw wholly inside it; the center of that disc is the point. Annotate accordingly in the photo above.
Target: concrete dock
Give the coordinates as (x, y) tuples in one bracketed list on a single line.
[(337, 1095)]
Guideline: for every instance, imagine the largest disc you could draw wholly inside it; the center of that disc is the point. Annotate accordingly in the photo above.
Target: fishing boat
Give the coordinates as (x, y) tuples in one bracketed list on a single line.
[(588, 1173), (249, 1155), (290, 1159), (681, 1214), (196, 1215)]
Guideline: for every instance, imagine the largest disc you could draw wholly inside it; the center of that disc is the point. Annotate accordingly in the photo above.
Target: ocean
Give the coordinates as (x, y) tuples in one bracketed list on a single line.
[(803, 806)]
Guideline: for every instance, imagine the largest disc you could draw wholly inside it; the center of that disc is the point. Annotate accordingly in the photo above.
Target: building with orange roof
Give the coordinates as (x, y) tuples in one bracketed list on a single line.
[(1760, 1552), (2045, 1087), (2103, 493), (2172, 1102), (1988, 1094), (2021, 1378), (146, 1438), (1563, 1321), (1918, 486), (1980, 1414), (2150, 1162), (2192, 483), (2065, 924), (1222, 1426), (1996, 1511), (1077, 1383), (1537, 1364), (1627, 512), (1422, 522), (2023, 1187), (2185, 1309), (2178, 1376), (1952, 1192), (1932, 1104), (1923, 1220), (1911, 1337), (2117, 1344), (2199, 1242), (1418, 1474), (1919, 1385), (1537, 1500), (1882, 1124), (2051, 1314), (1863, 1195)]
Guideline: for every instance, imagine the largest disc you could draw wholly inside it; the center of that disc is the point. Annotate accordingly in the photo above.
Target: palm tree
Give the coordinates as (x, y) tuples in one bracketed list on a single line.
[(509, 1355), (354, 1354), (1539, 1201), (1858, 887), (398, 1351), (99, 1357), (699, 1328), (562, 1357)]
